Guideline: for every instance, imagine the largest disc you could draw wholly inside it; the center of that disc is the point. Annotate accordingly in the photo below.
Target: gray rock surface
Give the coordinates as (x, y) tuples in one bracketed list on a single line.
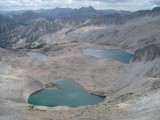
[(147, 53)]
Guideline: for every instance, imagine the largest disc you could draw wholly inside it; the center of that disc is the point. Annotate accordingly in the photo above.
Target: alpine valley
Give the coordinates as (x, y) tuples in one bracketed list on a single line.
[(39, 47)]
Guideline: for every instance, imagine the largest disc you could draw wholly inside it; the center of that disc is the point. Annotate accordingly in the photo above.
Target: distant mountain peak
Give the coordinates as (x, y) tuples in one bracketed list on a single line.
[(29, 13), (156, 9), (87, 8)]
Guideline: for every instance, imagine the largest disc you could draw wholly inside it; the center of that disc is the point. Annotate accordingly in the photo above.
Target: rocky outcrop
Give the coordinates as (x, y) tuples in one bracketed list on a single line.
[(51, 85), (155, 85), (99, 93), (147, 53)]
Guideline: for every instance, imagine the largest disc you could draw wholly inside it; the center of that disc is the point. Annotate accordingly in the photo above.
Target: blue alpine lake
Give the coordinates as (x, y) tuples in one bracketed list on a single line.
[(72, 94), (37, 55), (119, 55)]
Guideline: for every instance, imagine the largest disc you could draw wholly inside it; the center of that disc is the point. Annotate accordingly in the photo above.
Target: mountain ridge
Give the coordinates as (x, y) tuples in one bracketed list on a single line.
[(33, 25)]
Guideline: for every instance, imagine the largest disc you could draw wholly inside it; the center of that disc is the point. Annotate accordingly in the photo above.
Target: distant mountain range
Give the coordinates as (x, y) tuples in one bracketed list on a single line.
[(58, 11), (30, 25)]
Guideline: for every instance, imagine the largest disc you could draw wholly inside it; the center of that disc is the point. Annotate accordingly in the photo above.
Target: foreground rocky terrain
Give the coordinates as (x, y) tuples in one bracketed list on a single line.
[(131, 90)]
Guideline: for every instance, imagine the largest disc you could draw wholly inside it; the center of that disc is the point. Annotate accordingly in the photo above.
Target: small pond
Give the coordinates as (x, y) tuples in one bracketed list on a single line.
[(72, 95), (119, 55), (37, 55)]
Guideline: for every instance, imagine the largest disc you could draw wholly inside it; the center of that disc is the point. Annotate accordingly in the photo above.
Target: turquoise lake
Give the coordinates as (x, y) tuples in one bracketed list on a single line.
[(119, 55), (37, 55), (72, 95)]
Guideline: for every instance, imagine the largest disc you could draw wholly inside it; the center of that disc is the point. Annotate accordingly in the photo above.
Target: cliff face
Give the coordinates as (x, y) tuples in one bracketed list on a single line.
[(147, 53)]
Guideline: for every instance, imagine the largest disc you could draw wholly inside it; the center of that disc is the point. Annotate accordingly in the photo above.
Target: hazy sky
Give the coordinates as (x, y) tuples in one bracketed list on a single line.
[(132, 5)]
